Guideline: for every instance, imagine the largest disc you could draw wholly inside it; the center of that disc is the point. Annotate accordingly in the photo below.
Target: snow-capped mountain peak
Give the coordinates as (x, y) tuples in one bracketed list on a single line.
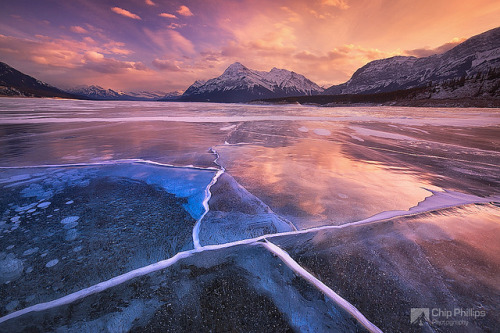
[(238, 83), (234, 69), (96, 92)]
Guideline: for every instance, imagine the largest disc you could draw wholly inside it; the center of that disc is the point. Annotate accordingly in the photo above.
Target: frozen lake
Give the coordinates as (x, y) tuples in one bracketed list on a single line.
[(145, 216)]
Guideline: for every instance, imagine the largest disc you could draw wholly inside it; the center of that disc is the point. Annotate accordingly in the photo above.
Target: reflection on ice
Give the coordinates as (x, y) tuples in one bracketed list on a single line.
[(312, 182)]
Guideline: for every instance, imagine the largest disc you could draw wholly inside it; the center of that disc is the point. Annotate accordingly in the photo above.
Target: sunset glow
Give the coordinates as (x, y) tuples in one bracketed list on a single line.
[(167, 45)]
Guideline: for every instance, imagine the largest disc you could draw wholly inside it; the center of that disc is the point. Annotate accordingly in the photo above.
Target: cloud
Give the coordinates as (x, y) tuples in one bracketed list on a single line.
[(125, 13), (89, 40), (184, 11), (167, 65), (175, 26), (97, 62), (170, 41), (150, 3), (341, 4), (167, 15), (93, 56), (62, 53), (79, 30), (181, 42), (425, 52)]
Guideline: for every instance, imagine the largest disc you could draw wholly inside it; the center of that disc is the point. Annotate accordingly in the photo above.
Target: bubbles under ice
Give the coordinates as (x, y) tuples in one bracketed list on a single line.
[(70, 219), (44, 205), (12, 305), (70, 225), (30, 251), (52, 263), (11, 268), (71, 235)]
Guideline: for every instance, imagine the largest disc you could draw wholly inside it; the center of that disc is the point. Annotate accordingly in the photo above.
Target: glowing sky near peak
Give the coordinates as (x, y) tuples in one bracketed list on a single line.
[(167, 45)]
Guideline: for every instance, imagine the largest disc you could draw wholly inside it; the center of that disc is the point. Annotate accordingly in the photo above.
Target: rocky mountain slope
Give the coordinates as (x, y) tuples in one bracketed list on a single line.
[(15, 83), (477, 55)]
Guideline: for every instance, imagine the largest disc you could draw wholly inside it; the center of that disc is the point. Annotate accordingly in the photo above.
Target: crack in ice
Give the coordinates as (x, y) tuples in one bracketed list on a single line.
[(111, 162), (208, 195), (336, 298), (460, 200)]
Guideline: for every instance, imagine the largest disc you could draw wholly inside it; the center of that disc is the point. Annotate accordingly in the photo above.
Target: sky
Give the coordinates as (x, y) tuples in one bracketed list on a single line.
[(156, 45)]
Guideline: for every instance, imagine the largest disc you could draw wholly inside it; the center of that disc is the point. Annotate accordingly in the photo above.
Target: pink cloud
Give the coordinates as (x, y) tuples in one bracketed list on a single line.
[(125, 13), (150, 3), (89, 40), (175, 26), (184, 11), (167, 65), (79, 30), (167, 15), (170, 41), (63, 53), (181, 42)]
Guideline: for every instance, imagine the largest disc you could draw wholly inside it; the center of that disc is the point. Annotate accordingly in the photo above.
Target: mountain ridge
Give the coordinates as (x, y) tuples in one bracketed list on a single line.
[(241, 84), (475, 55), (99, 93), (15, 83)]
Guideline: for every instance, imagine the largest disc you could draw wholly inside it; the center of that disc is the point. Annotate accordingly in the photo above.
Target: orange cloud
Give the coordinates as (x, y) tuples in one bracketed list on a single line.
[(150, 3), (335, 3), (79, 30), (125, 13), (167, 15), (426, 51), (184, 11)]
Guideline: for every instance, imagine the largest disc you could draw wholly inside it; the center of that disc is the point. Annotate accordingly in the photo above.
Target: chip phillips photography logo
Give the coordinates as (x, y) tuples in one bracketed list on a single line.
[(444, 317), (418, 316)]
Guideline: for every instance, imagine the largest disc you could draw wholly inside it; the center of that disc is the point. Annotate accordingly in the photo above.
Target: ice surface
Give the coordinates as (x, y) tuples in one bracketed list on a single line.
[(106, 230), (231, 288), (322, 131), (402, 204), (436, 259), (236, 214), (303, 129), (367, 132)]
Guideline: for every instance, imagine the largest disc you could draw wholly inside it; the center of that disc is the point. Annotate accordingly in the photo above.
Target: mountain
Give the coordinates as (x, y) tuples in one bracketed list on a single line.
[(477, 55), (99, 93), (154, 95), (15, 83), (241, 84), (171, 96)]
